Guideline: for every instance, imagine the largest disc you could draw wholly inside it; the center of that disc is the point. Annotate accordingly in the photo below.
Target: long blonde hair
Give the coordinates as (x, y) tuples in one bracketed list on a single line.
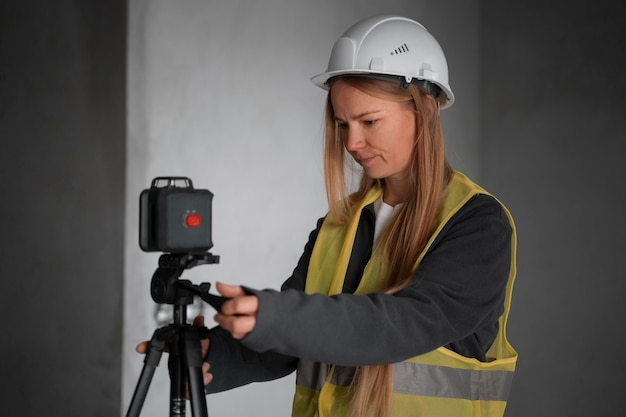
[(409, 231)]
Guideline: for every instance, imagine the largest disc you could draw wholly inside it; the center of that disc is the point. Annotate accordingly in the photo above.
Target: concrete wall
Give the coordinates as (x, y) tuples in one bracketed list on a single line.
[(220, 92), (62, 167)]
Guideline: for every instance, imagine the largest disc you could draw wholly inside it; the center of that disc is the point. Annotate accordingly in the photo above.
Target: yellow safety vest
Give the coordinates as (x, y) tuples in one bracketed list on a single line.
[(438, 383)]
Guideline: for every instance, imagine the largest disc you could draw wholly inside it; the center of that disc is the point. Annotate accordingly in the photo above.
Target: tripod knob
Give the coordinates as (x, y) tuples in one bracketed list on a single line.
[(165, 289)]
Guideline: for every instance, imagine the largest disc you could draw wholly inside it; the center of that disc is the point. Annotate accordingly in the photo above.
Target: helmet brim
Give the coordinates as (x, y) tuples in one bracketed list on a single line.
[(321, 80)]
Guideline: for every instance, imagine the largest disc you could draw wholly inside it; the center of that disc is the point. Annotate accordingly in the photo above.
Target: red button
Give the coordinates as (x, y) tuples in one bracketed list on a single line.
[(193, 220)]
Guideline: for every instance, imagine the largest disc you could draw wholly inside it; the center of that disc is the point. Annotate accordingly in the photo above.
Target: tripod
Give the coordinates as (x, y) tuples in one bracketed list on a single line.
[(182, 339)]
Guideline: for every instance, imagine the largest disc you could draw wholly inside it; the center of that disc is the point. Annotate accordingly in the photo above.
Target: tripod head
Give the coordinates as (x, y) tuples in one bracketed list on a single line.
[(166, 288)]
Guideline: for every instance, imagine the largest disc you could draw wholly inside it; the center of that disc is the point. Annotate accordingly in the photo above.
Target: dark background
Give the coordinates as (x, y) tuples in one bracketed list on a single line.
[(554, 141), (62, 167)]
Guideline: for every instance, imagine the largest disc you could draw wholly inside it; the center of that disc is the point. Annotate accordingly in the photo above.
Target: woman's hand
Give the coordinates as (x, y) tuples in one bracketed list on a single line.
[(238, 315)]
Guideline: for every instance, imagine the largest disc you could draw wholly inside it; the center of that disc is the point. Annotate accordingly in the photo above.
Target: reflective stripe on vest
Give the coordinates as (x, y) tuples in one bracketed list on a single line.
[(440, 382), (418, 379), (434, 381)]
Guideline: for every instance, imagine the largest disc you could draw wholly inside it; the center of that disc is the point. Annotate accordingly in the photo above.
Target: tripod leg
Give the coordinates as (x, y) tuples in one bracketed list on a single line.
[(151, 361), (192, 350), (178, 402), (185, 366)]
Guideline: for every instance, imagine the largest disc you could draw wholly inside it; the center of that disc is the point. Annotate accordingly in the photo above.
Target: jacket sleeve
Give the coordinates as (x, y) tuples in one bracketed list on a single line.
[(457, 296), (233, 364)]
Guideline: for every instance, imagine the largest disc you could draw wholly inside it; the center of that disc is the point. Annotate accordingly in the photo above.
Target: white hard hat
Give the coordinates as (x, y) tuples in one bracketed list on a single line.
[(391, 46)]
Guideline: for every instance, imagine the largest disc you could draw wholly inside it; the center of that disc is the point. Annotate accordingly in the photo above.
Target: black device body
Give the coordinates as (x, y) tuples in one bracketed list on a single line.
[(174, 217)]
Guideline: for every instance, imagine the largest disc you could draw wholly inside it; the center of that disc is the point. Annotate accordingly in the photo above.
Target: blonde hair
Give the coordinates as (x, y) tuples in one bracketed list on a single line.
[(409, 231)]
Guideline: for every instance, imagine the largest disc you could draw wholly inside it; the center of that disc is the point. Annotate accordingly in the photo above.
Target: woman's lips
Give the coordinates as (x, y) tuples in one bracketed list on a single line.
[(364, 160)]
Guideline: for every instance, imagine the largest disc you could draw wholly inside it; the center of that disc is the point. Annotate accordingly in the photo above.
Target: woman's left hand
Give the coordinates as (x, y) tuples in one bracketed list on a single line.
[(238, 315)]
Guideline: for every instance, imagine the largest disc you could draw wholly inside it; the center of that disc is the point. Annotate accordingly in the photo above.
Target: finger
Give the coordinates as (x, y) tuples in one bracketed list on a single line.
[(198, 321), (142, 347), (206, 376), (204, 346), (237, 326), (247, 305), (229, 291)]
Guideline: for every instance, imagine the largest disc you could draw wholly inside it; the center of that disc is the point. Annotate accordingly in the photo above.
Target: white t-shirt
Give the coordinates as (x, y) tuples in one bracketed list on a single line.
[(384, 213)]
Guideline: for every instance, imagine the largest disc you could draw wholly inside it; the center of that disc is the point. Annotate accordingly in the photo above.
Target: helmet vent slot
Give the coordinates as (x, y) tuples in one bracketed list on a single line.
[(402, 49)]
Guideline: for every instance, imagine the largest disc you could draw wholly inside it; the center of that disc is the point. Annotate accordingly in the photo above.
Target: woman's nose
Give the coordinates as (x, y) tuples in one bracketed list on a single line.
[(353, 140)]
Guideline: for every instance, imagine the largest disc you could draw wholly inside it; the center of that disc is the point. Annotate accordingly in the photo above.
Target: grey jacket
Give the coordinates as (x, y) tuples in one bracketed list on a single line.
[(455, 301)]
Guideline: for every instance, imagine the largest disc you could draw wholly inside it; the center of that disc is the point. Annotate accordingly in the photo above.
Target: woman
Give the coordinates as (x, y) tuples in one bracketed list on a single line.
[(399, 302)]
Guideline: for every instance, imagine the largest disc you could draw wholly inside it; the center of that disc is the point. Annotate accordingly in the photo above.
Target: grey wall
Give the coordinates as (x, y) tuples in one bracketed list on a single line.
[(62, 164), (554, 141)]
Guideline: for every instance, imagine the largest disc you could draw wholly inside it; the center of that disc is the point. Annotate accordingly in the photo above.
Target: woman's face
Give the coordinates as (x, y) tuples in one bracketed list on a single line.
[(379, 134)]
